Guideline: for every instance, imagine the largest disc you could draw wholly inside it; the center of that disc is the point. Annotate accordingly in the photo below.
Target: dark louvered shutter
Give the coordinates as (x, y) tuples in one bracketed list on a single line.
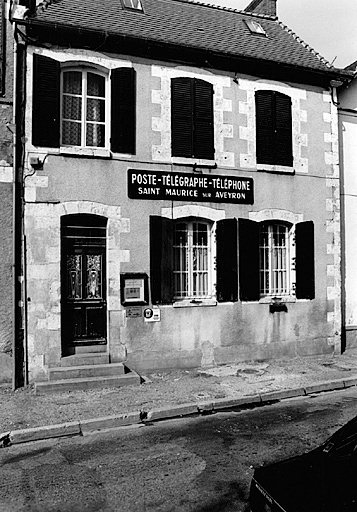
[(305, 260), (46, 102), (283, 130), (182, 117), (227, 260), (273, 128), (123, 110), (248, 233), (161, 259), (264, 127), (203, 134)]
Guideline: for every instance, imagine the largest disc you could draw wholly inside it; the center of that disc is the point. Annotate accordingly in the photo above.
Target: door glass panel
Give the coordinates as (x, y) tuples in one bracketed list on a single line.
[(74, 280), (94, 276)]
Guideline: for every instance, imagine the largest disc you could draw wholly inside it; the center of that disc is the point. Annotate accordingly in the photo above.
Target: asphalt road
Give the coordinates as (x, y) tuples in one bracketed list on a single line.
[(195, 464)]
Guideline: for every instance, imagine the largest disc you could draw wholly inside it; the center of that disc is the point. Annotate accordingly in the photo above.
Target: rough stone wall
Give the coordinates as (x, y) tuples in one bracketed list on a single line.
[(6, 199), (5, 267)]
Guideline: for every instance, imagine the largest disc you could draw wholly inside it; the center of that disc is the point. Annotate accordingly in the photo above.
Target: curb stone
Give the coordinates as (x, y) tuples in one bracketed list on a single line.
[(118, 420), (83, 427), (48, 432), (325, 386)]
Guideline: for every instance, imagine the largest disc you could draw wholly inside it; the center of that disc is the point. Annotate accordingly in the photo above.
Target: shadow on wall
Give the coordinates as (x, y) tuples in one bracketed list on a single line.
[(5, 368)]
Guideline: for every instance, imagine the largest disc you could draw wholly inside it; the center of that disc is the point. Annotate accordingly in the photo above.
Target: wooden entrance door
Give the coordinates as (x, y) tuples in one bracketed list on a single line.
[(84, 307)]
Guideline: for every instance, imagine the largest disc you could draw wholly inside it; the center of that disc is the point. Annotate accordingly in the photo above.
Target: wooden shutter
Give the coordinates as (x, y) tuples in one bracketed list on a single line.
[(305, 260), (182, 117), (203, 139), (46, 102), (161, 259), (264, 127), (227, 260), (283, 130), (273, 128), (123, 110), (249, 286)]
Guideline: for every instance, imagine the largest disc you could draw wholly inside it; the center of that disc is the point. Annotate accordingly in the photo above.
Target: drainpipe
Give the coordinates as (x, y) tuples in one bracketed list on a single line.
[(14, 224), (19, 349)]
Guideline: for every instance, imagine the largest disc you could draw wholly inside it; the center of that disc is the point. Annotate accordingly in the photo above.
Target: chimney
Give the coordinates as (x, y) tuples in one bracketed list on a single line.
[(267, 7)]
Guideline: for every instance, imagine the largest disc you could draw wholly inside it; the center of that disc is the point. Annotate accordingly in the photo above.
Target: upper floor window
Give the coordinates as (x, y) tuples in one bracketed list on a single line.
[(273, 128), (83, 107), (192, 118)]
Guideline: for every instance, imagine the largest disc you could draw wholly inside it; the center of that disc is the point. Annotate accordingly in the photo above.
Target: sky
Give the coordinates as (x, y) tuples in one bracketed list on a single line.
[(328, 26)]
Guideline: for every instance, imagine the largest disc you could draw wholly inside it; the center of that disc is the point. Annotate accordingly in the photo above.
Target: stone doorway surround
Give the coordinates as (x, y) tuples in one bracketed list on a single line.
[(43, 280)]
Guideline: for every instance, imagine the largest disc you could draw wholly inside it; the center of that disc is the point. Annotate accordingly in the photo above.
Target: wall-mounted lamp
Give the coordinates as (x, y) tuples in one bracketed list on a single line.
[(36, 162), (336, 83)]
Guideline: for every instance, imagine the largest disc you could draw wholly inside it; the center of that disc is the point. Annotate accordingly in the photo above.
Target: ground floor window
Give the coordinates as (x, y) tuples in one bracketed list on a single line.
[(230, 259), (274, 259), (192, 259)]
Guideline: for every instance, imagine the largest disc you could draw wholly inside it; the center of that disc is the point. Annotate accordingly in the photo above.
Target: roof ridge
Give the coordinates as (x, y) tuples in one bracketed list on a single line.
[(43, 5), (306, 45), (220, 8)]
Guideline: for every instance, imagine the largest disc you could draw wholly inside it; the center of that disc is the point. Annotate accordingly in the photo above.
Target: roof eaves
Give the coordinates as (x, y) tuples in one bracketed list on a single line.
[(332, 70)]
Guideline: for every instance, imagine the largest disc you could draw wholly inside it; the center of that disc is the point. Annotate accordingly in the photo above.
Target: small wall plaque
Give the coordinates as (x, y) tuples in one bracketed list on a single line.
[(134, 312)]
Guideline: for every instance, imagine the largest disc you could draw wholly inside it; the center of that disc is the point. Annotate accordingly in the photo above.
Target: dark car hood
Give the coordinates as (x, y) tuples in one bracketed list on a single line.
[(322, 480)]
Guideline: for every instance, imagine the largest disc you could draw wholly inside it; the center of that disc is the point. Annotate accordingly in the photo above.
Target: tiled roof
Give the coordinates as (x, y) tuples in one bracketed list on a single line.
[(352, 67), (189, 24)]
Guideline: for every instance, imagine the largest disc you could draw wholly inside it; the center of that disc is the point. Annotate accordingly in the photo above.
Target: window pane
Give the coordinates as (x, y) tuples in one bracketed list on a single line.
[(72, 107), (95, 110), (95, 85), (74, 279), (72, 82), (94, 276), (71, 133), (95, 135)]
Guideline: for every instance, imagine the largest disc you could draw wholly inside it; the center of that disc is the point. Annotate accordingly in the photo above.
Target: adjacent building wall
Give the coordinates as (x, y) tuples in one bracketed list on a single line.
[(348, 138), (6, 199), (194, 335)]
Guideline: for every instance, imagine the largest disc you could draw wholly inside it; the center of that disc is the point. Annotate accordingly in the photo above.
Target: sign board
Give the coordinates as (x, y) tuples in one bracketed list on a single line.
[(134, 289), (152, 314), (134, 312), (182, 186)]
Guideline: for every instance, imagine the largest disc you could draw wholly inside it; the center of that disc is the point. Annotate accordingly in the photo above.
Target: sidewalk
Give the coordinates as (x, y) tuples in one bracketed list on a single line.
[(171, 394)]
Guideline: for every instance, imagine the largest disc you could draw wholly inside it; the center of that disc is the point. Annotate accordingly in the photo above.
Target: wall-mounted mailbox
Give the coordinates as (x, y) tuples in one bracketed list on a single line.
[(134, 289)]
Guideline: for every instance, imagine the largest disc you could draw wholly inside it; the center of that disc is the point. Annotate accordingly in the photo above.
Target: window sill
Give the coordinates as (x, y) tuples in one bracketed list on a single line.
[(86, 152), (277, 300), (193, 161), (189, 303), (280, 169)]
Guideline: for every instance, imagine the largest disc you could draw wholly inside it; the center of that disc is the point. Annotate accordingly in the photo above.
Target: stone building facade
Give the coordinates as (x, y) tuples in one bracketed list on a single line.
[(182, 200)]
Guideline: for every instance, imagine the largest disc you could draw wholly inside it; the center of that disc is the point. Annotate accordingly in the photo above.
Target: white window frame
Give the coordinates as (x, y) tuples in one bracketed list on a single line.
[(274, 291), (190, 296), (84, 71)]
